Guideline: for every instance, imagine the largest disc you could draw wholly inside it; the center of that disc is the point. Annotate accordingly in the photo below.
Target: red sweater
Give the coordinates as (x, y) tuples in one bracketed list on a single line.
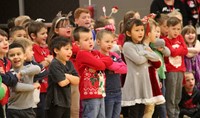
[(89, 63), (178, 48)]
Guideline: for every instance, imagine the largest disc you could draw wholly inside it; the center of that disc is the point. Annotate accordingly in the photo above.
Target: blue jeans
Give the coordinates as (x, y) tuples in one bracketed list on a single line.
[(160, 110), (93, 108), (113, 104)]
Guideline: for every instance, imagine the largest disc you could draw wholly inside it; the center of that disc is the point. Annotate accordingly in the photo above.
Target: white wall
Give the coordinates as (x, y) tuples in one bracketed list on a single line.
[(142, 6)]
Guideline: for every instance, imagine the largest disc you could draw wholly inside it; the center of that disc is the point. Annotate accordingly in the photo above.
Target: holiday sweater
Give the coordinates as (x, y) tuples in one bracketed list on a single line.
[(40, 53), (90, 64), (178, 48)]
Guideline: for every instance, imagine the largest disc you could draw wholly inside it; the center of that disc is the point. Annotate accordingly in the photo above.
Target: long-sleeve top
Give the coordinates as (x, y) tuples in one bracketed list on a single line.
[(89, 63), (113, 82), (21, 96), (175, 62)]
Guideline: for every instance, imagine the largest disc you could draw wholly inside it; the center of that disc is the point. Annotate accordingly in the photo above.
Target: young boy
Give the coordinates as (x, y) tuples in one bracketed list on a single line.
[(17, 32), (175, 66), (190, 101), (61, 75), (91, 65), (21, 98)]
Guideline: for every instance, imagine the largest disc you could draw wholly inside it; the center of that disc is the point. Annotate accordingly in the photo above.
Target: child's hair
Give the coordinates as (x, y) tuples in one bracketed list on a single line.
[(172, 21), (16, 45), (57, 43), (11, 23), (3, 33), (161, 18), (121, 26), (149, 25), (187, 73), (20, 20), (24, 42), (102, 32), (56, 23), (78, 11), (129, 25), (174, 13), (189, 29), (14, 29), (128, 15), (78, 30), (34, 27)]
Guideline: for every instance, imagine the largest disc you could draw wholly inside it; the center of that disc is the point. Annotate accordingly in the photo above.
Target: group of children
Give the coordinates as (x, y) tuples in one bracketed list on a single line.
[(59, 74)]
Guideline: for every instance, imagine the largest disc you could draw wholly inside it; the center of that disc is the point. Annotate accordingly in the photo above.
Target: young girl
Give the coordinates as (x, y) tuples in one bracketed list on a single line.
[(137, 91), (105, 40), (192, 59), (37, 31)]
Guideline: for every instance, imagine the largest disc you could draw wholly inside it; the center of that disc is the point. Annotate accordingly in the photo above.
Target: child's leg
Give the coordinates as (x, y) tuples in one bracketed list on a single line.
[(148, 112), (57, 112), (113, 105), (171, 81), (74, 102), (136, 111), (92, 108)]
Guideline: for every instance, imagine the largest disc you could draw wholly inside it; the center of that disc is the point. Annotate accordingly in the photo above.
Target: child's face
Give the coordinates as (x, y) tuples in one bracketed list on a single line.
[(29, 53), (153, 34), (17, 57), (136, 34), (157, 32), (164, 29), (86, 41), (65, 30), (64, 54), (189, 81), (190, 37), (4, 45), (19, 34), (174, 31), (84, 20), (106, 43), (41, 37)]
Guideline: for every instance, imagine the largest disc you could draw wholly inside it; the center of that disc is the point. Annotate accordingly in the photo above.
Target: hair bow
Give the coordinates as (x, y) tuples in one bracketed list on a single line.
[(109, 27)]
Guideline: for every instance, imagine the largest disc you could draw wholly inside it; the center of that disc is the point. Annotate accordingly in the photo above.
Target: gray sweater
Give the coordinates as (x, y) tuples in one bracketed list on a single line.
[(21, 96)]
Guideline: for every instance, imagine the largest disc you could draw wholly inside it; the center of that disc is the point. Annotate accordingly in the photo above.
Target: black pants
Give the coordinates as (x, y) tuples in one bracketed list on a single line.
[(1, 112), (25, 113), (57, 112)]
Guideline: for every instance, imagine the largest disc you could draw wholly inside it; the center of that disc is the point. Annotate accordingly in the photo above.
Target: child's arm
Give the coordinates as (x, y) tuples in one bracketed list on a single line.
[(151, 55), (23, 87), (165, 51), (30, 70), (72, 79), (9, 79), (130, 52), (118, 66), (87, 58)]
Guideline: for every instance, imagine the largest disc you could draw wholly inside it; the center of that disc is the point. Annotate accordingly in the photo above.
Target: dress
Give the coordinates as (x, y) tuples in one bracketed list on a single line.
[(137, 87)]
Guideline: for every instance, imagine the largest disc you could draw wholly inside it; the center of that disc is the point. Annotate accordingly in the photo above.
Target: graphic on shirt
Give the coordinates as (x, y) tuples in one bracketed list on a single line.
[(175, 61)]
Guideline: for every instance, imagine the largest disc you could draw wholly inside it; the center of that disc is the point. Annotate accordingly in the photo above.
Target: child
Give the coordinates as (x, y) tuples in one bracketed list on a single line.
[(21, 98), (175, 66), (61, 75), (190, 100), (137, 91), (17, 32), (155, 63), (8, 78), (90, 69), (192, 59), (37, 31), (105, 40), (159, 48)]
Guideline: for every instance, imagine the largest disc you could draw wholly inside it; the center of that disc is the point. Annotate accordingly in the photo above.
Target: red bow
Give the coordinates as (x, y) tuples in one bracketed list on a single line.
[(107, 27)]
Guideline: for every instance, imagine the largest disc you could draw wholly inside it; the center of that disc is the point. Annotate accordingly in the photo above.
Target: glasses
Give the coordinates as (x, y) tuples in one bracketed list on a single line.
[(66, 26)]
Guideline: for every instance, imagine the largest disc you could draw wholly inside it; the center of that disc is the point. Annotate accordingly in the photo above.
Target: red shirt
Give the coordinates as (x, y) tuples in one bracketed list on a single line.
[(89, 63), (40, 53), (178, 49)]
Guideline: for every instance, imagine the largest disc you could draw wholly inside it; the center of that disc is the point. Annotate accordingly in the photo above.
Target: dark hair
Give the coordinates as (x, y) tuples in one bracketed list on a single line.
[(128, 26), (161, 18), (34, 27), (57, 43), (15, 28), (11, 23), (3, 33), (78, 30), (172, 21), (16, 45)]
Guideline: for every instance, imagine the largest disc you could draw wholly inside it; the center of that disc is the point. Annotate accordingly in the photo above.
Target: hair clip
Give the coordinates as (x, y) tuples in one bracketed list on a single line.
[(39, 20)]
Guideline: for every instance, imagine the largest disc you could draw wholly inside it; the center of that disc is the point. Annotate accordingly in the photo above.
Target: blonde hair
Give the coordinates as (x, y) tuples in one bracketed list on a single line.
[(24, 42)]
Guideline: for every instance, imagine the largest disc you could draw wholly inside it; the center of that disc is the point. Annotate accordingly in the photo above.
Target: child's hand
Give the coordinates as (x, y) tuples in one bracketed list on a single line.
[(160, 85), (2, 70), (36, 85), (49, 58), (92, 70), (160, 49)]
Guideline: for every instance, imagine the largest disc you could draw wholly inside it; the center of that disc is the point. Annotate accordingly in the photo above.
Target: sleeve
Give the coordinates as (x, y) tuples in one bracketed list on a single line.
[(37, 54), (181, 51), (30, 70), (22, 87), (130, 53), (56, 72), (118, 66), (9, 79), (72, 70), (152, 56), (87, 58), (166, 52)]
